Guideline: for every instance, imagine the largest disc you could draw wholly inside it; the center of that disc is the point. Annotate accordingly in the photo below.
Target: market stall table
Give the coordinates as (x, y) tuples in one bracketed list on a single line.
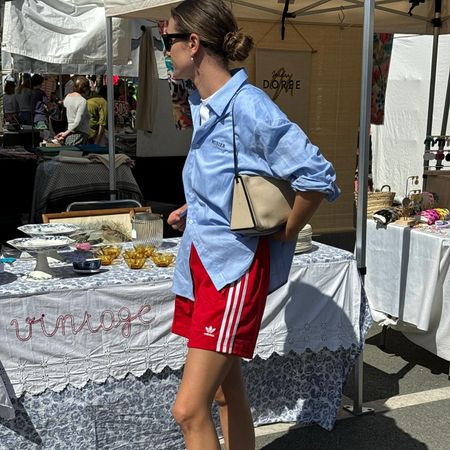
[(27, 138), (408, 279), (91, 359)]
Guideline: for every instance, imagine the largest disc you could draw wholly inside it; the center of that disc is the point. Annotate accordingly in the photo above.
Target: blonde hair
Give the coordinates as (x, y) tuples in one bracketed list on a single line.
[(216, 26)]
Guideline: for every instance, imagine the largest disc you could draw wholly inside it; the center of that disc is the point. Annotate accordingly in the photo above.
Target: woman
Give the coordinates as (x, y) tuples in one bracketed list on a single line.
[(98, 116), (39, 101), (24, 99), (10, 104), (77, 114), (222, 279)]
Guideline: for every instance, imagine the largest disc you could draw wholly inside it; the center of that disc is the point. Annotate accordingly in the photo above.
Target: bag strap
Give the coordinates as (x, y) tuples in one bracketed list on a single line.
[(236, 171)]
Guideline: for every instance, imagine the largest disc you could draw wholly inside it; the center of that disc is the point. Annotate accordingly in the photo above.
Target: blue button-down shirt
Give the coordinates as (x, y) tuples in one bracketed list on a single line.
[(268, 144)]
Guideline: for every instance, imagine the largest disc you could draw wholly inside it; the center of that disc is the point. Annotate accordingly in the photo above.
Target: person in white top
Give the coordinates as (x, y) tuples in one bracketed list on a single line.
[(77, 114)]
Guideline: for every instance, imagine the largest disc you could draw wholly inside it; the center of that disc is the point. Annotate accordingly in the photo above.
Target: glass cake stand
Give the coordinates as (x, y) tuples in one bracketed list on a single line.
[(42, 247)]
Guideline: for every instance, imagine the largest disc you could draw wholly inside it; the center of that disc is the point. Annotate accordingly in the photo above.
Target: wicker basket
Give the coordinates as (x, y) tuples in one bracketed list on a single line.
[(377, 200)]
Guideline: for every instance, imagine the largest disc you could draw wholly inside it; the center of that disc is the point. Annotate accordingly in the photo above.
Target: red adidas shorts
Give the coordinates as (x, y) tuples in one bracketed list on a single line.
[(225, 321)]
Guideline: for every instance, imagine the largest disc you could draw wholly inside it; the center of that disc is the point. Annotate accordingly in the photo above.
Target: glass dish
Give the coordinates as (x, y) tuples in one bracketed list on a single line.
[(41, 229), (162, 259), (135, 261), (40, 243)]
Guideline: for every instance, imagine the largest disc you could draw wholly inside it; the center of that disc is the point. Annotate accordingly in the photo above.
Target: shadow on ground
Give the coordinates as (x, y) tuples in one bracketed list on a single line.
[(360, 433), (402, 367)]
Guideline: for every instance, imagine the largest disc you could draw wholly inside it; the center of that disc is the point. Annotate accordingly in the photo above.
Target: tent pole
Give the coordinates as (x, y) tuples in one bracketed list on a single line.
[(446, 108), (363, 169), (437, 23), (110, 97)]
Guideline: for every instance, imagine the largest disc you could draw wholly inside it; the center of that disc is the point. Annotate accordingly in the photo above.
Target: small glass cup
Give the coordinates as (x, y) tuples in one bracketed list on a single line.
[(135, 261), (145, 249), (162, 259), (105, 257), (113, 250)]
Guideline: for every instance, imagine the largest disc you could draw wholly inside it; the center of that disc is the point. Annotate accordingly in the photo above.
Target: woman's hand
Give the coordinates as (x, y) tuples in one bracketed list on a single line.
[(305, 205), (177, 218), (285, 235), (62, 136)]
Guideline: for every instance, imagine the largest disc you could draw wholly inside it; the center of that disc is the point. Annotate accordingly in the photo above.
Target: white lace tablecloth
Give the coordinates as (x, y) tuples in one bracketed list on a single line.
[(69, 332)]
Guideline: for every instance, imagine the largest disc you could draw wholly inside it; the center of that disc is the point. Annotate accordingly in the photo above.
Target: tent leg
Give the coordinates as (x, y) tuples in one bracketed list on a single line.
[(383, 337), (436, 31), (363, 168), (110, 97), (357, 409), (446, 109)]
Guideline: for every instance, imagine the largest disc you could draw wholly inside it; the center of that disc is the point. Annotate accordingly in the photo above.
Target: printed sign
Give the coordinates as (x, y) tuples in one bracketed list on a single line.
[(285, 76)]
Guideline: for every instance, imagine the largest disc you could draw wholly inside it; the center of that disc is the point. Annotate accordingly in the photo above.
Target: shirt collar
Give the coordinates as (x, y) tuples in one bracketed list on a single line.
[(219, 102)]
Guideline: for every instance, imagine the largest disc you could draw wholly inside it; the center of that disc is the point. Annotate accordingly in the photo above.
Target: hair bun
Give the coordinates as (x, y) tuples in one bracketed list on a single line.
[(237, 45)]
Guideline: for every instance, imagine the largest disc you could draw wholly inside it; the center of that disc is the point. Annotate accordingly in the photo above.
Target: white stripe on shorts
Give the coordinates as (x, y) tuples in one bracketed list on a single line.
[(233, 311)]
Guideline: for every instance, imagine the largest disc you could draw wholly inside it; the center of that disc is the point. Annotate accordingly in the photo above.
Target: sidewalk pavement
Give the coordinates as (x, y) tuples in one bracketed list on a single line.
[(407, 386)]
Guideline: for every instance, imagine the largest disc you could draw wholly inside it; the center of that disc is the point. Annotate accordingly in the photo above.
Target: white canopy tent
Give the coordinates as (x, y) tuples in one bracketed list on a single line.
[(390, 16), (64, 32)]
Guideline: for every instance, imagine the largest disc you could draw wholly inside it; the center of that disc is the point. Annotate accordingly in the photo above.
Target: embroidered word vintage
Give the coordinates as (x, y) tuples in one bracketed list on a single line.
[(108, 321)]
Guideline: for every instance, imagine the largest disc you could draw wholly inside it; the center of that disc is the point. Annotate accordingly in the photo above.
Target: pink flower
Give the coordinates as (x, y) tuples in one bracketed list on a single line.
[(85, 246)]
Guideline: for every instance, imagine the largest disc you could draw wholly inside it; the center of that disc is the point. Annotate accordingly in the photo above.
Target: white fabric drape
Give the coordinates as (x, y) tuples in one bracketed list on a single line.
[(148, 91), (63, 32)]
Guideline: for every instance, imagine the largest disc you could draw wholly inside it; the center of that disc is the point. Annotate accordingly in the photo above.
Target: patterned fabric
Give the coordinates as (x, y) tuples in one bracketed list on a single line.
[(115, 275), (72, 329), (134, 413), (76, 139), (382, 49), (56, 181), (297, 376), (179, 91)]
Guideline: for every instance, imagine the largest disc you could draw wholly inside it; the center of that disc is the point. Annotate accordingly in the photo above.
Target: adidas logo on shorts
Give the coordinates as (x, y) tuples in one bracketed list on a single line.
[(209, 331)]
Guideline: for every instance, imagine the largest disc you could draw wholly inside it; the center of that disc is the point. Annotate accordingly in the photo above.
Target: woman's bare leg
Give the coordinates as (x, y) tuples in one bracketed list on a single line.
[(204, 372), (234, 409)]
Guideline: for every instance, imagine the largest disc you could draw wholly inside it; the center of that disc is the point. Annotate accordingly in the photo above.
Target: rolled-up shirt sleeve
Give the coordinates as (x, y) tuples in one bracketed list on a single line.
[(290, 154)]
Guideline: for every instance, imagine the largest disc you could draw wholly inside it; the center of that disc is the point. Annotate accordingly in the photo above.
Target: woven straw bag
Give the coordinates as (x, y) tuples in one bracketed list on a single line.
[(378, 200)]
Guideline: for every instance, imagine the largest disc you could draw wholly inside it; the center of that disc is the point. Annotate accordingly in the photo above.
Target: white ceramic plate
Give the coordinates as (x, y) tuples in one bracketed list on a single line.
[(40, 243), (41, 229)]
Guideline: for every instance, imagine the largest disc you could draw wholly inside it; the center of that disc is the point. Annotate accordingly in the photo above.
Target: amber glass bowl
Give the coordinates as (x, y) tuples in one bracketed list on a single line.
[(105, 258), (113, 250), (162, 259), (144, 249), (134, 261)]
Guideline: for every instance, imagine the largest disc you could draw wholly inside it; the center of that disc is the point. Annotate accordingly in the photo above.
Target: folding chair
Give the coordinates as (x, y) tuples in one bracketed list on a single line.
[(103, 204)]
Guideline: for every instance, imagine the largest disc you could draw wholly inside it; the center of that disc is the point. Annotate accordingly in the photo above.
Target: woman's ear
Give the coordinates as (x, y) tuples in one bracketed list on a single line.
[(194, 43)]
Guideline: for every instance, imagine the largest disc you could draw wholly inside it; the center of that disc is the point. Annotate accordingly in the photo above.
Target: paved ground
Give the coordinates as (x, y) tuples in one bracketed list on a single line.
[(408, 388)]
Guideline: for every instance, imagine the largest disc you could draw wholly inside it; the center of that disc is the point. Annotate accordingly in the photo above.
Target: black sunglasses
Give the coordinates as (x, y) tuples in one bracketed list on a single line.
[(169, 39)]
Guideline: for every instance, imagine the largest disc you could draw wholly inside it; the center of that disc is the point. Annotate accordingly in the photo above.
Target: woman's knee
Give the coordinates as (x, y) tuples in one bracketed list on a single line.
[(183, 412)]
